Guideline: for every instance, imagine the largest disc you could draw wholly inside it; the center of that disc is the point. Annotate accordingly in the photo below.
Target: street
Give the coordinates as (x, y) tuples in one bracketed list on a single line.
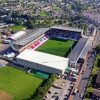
[(85, 77)]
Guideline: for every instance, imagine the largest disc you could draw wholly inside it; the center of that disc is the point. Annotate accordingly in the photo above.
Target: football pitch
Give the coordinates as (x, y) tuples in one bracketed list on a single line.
[(57, 47), (17, 83)]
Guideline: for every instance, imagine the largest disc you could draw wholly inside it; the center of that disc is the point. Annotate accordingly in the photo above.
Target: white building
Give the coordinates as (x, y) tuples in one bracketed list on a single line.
[(17, 35), (42, 61)]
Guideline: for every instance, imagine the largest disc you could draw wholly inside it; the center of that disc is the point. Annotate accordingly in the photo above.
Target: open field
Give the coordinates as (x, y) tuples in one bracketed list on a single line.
[(56, 47), (16, 28), (17, 83), (43, 13)]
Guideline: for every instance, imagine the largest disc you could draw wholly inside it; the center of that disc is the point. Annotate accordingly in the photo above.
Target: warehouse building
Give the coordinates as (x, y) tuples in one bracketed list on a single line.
[(42, 61)]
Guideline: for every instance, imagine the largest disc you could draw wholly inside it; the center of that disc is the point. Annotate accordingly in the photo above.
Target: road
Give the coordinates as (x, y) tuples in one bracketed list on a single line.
[(85, 77)]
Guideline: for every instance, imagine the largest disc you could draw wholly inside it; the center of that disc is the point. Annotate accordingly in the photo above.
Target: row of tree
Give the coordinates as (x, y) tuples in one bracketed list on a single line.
[(42, 90)]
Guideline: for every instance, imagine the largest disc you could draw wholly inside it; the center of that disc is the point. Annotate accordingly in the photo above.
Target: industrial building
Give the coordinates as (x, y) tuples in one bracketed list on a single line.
[(42, 61)]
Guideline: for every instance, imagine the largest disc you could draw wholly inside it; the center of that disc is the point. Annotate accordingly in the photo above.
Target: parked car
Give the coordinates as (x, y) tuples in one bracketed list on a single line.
[(49, 92), (81, 95), (56, 92)]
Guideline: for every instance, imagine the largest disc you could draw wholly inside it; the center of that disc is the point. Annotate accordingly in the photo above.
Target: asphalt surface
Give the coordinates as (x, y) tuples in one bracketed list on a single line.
[(85, 77)]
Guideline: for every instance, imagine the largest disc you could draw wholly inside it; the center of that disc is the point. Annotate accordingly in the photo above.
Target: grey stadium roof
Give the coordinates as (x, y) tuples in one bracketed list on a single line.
[(86, 48), (75, 53), (67, 28), (30, 37)]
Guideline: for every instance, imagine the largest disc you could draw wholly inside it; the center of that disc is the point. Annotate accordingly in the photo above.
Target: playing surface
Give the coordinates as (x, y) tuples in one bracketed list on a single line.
[(17, 83), (56, 47)]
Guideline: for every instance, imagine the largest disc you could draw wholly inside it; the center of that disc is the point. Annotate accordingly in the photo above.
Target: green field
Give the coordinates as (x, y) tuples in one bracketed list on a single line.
[(16, 28), (43, 13), (56, 47), (17, 83)]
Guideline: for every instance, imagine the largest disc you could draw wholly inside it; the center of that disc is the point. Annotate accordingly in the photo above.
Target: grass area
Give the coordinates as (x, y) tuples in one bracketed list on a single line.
[(17, 83), (55, 7), (95, 70), (89, 89), (87, 99), (0, 41), (43, 13), (56, 47), (96, 67), (16, 28)]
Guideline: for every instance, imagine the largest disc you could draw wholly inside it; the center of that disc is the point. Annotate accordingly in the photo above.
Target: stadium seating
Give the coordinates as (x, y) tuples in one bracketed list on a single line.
[(38, 43), (63, 34), (56, 33)]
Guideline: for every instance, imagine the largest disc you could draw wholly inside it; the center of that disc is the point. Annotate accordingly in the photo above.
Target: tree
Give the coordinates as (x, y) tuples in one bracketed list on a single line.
[(98, 63), (98, 49), (29, 24)]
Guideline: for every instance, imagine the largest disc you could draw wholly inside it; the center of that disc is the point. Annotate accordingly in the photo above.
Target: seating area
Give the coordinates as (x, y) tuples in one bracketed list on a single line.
[(63, 34), (56, 33), (38, 43)]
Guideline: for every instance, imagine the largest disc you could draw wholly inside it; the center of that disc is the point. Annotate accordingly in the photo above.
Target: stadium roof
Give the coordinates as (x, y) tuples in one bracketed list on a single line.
[(75, 53), (17, 35), (86, 48), (30, 37), (44, 59), (68, 28)]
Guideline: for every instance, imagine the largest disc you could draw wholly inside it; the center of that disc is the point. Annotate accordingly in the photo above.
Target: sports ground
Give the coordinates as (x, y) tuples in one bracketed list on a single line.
[(17, 83), (57, 47)]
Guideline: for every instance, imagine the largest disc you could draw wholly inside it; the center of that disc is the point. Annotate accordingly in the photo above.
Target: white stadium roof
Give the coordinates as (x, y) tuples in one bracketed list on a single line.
[(44, 59), (18, 35)]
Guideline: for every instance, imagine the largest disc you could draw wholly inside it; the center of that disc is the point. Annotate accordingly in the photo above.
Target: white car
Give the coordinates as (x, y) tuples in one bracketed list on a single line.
[(81, 95)]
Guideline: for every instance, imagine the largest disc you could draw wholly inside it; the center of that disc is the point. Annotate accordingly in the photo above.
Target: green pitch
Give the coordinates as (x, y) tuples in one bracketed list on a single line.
[(17, 83), (56, 47), (16, 28)]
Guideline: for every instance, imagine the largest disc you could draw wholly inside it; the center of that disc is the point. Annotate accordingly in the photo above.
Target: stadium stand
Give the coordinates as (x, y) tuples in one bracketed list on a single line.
[(38, 43), (68, 28), (39, 36), (75, 53), (87, 48), (63, 34), (24, 40)]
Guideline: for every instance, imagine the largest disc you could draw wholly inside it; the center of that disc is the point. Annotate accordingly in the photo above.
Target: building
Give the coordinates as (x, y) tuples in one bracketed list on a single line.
[(27, 39), (42, 61), (98, 80), (96, 91), (69, 29), (76, 51), (17, 35), (96, 94)]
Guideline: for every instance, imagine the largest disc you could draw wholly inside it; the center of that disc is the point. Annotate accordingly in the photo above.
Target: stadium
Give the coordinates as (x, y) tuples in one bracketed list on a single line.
[(52, 50)]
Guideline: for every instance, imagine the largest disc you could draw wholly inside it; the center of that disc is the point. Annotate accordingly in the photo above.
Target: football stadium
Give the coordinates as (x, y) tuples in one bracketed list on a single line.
[(49, 50), (40, 53)]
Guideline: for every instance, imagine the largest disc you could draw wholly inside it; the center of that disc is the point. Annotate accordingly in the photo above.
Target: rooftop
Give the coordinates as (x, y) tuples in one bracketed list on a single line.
[(96, 92), (68, 28), (44, 59), (30, 36), (98, 78), (75, 53)]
